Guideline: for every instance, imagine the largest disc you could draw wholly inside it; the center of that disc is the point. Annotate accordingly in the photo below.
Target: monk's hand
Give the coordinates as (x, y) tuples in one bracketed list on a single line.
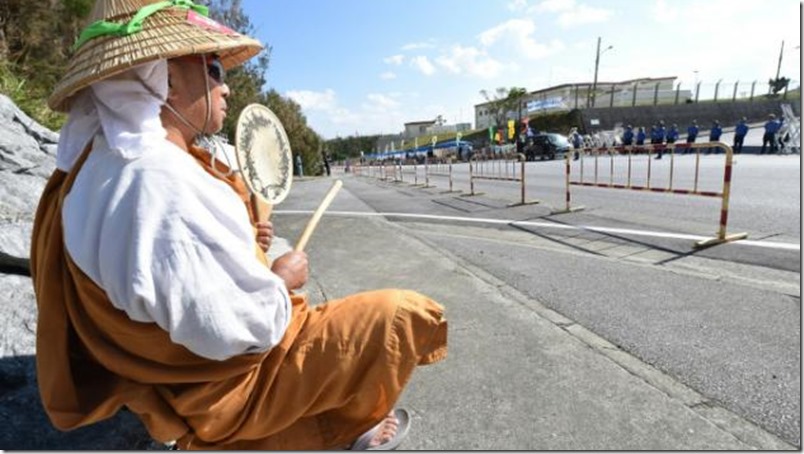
[(265, 235), (292, 268)]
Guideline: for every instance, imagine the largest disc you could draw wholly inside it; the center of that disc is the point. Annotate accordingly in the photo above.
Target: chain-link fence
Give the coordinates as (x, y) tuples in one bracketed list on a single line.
[(724, 91), (664, 92)]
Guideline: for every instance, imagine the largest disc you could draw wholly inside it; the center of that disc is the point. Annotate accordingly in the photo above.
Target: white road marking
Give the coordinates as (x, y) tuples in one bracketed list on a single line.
[(549, 225)]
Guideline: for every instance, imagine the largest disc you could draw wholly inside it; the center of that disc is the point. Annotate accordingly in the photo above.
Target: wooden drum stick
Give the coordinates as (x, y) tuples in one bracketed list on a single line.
[(313, 222)]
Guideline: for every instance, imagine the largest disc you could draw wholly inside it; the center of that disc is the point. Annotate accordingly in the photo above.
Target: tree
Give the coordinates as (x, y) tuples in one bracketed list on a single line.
[(245, 82), (246, 85), (503, 102), (303, 140), (515, 97), (341, 148)]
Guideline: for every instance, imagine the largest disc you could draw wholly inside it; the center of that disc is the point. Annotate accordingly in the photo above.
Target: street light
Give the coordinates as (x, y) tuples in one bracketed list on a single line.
[(597, 64)]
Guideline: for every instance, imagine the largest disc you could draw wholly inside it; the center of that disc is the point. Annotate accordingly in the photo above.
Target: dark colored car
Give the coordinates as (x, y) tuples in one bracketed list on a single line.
[(546, 145)]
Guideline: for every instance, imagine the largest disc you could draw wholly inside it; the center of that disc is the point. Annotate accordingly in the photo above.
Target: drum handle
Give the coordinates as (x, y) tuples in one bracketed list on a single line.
[(260, 210)]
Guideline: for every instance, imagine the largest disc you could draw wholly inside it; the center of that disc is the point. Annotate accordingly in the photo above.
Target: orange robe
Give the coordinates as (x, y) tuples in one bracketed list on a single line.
[(336, 373)]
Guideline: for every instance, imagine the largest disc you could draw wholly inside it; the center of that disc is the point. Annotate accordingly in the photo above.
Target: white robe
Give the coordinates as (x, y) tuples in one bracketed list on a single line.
[(173, 245)]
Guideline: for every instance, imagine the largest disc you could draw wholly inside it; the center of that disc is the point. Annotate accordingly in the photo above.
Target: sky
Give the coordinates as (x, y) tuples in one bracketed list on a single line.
[(370, 66)]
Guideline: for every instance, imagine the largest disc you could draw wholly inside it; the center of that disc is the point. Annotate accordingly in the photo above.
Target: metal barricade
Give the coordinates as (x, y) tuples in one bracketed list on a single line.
[(499, 170), (670, 150), (439, 169), (391, 172), (410, 170)]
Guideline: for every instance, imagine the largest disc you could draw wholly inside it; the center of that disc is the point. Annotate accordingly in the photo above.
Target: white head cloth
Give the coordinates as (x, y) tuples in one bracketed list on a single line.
[(124, 110)]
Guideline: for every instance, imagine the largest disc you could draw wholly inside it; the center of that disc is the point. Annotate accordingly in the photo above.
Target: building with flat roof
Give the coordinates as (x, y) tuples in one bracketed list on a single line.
[(417, 128), (565, 97)]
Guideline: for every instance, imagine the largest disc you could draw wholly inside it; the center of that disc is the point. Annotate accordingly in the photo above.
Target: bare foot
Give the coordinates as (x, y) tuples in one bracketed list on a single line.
[(386, 432)]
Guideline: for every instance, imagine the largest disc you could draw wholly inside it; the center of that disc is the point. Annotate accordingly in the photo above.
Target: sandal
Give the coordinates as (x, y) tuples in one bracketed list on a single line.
[(403, 425)]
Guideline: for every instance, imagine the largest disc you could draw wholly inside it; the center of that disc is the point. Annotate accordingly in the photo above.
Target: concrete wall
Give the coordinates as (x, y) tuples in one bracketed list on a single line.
[(728, 113)]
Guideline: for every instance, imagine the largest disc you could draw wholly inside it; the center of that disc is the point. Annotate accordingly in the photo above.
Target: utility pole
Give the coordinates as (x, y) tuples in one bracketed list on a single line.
[(597, 64), (779, 68)]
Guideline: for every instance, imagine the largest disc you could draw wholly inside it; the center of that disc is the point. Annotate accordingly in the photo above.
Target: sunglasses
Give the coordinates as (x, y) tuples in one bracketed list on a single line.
[(215, 69)]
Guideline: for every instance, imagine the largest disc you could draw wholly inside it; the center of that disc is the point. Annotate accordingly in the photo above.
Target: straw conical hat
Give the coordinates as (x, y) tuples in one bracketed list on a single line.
[(177, 28)]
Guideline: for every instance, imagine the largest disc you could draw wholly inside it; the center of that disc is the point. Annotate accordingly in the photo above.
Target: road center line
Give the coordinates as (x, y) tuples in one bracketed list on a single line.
[(549, 225)]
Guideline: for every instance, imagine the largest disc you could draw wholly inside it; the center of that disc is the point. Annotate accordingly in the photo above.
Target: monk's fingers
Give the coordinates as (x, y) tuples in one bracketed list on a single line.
[(265, 231), (265, 225), (265, 243)]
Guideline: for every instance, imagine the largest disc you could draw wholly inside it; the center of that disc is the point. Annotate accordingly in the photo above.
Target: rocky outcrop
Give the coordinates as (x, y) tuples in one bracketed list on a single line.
[(27, 158)]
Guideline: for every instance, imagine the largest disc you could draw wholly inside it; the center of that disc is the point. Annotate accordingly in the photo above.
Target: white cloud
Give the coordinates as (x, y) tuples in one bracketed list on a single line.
[(518, 5), (517, 34), (471, 61), (494, 34), (313, 100), (422, 63), (418, 45), (344, 118), (388, 75), (394, 59), (726, 11), (323, 106), (663, 12), (553, 6), (380, 102), (583, 14), (571, 13)]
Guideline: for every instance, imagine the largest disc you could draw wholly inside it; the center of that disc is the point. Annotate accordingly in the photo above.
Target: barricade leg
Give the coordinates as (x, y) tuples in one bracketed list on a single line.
[(472, 169), (568, 208), (449, 175), (722, 237), (522, 182), (426, 173)]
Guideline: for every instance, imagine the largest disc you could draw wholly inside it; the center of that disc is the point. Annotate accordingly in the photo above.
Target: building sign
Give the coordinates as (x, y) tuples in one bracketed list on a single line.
[(544, 104)]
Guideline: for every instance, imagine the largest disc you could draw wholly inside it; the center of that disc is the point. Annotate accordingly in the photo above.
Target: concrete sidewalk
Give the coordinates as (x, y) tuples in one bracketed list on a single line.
[(518, 375)]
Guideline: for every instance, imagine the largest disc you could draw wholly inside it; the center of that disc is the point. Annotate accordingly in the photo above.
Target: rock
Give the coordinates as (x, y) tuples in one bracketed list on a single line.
[(10, 113), (27, 158)]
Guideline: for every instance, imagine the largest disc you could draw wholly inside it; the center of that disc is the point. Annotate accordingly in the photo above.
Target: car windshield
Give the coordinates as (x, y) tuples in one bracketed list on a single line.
[(559, 140)]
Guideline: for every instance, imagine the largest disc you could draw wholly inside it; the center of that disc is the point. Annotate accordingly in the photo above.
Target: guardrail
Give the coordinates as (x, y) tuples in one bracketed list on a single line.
[(392, 172), (669, 149), (499, 170), (409, 169), (438, 169)]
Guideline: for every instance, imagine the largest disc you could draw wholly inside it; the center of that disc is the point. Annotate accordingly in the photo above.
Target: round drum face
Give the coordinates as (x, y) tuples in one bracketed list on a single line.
[(263, 153)]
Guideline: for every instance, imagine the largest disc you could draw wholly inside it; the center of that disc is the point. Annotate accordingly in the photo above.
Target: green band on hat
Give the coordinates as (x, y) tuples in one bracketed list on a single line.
[(103, 28)]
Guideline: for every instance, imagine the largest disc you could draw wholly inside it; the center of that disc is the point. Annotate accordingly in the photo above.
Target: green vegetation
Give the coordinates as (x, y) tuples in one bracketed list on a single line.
[(341, 148), (505, 100), (32, 101), (303, 140), (35, 40)]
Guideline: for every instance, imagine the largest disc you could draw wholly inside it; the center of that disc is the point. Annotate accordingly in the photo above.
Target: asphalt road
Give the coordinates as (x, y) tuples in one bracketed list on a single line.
[(725, 320), (765, 191)]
